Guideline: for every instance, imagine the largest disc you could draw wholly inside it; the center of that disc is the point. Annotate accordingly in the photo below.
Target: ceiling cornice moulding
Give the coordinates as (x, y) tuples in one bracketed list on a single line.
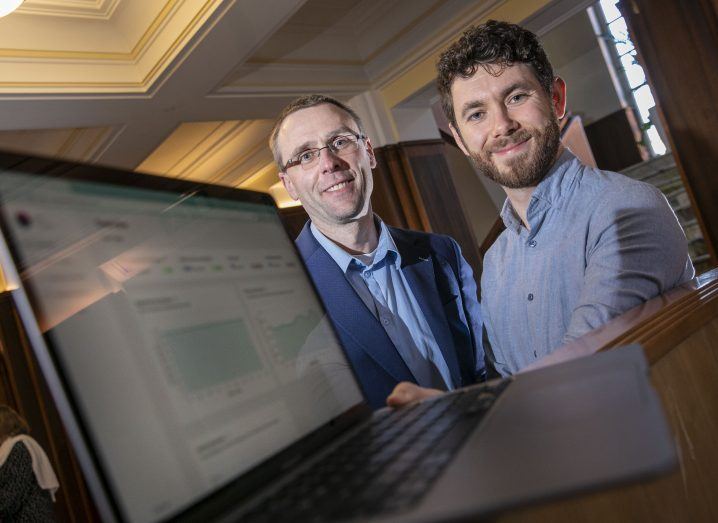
[(28, 71), (98, 10)]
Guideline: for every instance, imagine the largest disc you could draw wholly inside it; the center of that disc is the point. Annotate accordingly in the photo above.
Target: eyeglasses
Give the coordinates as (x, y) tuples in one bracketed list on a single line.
[(342, 145)]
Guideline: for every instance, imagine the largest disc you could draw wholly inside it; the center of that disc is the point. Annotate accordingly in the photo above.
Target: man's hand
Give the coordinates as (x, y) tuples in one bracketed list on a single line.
[(405, 393)]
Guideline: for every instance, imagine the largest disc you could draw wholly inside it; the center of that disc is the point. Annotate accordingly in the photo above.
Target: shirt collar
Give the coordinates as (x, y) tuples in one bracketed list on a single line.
[(386, 248), (558, 180), (547, 193)]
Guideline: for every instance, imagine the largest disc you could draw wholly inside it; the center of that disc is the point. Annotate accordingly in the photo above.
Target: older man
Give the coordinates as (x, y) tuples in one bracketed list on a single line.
[(581, 245), (403, 302)]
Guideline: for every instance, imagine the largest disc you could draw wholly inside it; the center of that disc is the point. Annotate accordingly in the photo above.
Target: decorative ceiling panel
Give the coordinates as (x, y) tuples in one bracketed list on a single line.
[(125, 54), (78, 144), (97, 9), (214, 152)]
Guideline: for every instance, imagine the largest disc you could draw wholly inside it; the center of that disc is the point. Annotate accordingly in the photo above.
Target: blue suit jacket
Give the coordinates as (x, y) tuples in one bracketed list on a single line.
[(444, 287)]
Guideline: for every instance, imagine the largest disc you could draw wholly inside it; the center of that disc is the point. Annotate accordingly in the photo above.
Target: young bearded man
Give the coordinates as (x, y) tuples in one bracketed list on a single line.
[(581, 245), (403, 302)]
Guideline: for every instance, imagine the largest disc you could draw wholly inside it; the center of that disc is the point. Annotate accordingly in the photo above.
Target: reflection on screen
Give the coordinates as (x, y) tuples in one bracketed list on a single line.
[(188, 331)]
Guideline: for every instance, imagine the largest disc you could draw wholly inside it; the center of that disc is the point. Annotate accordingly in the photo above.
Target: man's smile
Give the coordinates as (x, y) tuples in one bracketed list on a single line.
[(511, 148), (338, 186)]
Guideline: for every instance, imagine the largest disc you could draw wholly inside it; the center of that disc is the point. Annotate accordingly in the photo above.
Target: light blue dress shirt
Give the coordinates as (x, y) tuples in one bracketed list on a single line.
[(599, 244), (378, 280)]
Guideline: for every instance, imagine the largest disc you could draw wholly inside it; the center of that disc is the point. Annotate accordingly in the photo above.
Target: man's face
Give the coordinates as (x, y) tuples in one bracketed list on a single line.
[(337, 190), (508, 124)]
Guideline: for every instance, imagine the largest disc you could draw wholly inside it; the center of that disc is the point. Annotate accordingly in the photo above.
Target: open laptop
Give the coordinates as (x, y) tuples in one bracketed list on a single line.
[(199, 378)]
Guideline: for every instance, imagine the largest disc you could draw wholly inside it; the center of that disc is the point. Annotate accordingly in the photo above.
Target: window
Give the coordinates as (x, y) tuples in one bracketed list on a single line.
[(615, 31)]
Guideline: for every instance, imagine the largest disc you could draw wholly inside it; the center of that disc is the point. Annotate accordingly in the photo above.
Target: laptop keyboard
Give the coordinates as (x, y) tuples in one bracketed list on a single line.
[(385, 467)]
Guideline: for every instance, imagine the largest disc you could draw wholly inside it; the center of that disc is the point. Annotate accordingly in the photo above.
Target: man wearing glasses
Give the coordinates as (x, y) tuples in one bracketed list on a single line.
[(403, 302)]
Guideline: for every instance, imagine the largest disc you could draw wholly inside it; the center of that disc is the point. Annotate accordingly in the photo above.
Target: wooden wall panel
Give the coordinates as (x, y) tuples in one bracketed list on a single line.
[(614, 141), (678, 47), (430, 171), (293, 219), (396, 197)]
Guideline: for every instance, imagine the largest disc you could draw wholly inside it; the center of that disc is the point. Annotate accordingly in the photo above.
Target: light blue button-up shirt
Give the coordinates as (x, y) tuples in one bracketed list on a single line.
[(599, 244), (378, 280)]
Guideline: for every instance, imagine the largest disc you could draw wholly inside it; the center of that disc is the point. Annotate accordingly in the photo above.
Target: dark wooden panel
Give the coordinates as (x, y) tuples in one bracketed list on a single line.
[(293, 219), (430, 171), (678, 47), (613, 141), (396, 198), (25, 390)]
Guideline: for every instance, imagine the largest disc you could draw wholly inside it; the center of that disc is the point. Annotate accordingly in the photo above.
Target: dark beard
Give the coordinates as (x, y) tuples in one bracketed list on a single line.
[(525, 172)]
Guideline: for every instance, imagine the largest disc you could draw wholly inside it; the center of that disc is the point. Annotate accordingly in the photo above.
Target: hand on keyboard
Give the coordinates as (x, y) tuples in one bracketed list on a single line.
[(405, 393)]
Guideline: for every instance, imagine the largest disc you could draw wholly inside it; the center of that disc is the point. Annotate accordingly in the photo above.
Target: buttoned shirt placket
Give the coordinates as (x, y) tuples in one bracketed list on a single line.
[(415, 360)]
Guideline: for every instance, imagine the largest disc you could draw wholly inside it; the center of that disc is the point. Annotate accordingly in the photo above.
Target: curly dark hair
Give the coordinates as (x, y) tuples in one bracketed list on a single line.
[(491, 44), (304, 102)]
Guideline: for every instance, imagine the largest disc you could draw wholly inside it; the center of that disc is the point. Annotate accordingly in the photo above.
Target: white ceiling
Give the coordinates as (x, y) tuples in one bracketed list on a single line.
[(188, 88)]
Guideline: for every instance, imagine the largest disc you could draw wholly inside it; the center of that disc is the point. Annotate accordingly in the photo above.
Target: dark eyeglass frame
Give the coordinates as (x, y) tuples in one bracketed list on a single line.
[(316, 151)]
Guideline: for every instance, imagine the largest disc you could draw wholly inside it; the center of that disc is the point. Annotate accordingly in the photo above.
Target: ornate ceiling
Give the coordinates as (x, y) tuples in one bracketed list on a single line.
[(188, 88)]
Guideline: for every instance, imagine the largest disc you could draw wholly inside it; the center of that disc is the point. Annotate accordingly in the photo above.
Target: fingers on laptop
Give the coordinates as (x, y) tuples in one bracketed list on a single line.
[(405, 393)]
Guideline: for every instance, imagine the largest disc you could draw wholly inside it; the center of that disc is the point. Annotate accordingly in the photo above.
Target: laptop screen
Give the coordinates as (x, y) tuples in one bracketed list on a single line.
[(185, 327)]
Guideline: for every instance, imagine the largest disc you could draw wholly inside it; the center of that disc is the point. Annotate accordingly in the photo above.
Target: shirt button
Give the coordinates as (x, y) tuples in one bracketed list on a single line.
[(531, 297), (385, 321), (532, 243)]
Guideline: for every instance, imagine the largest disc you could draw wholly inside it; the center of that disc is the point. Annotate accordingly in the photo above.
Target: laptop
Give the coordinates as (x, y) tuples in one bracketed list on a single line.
[(199, 378)]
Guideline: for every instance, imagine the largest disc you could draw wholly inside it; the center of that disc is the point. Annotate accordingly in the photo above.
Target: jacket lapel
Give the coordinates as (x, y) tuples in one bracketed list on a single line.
[(417, 264), (347, 310)]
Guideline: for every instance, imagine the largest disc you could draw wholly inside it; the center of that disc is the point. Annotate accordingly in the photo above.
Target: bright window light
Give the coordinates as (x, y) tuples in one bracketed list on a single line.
[(657, 144), (610, 11), (619, 32), (614, 27), (644, 101), (634, 72)]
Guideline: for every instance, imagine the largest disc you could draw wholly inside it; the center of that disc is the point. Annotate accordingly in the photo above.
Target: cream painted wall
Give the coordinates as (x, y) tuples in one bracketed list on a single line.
[(590, 90), (377, 119), (415, 124)]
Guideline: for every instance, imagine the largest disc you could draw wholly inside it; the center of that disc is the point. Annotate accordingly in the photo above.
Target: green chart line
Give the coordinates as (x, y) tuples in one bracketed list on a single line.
[(290, 337)]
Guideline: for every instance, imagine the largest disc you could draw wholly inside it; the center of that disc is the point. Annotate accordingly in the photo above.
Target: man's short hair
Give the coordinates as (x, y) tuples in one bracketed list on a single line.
[(490, 45), (304, 102)]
